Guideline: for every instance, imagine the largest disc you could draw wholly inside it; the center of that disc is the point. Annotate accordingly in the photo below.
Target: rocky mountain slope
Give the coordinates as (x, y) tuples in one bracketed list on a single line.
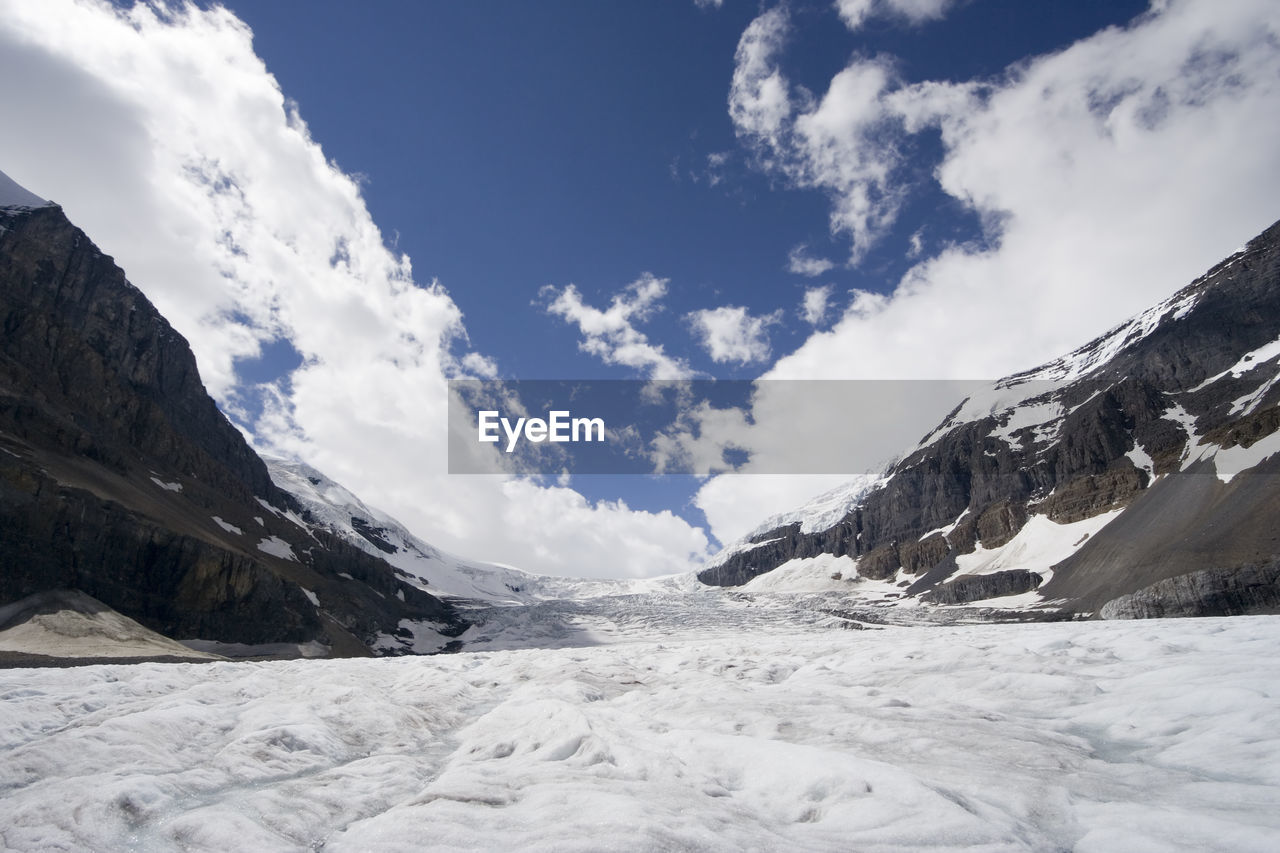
[(1119, 470), (119, 477)]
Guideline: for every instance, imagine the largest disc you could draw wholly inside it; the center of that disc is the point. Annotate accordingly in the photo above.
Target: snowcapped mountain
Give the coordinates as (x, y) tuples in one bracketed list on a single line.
[(327, 504), (1129, 476)]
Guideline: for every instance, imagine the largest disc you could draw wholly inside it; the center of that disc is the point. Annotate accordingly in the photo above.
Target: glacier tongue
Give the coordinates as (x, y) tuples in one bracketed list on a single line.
[(1150, 735)]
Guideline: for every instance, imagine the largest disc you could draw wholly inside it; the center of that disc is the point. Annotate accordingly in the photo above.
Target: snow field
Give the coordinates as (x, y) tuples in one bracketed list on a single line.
[(1157, 735)]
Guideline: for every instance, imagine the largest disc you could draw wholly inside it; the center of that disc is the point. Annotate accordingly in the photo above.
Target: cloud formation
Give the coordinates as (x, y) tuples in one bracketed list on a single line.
[(610, 334), (817, 302), (732, 335), (836, 144), (800, 262), (1106, 176), (855, 13), (166, 138)]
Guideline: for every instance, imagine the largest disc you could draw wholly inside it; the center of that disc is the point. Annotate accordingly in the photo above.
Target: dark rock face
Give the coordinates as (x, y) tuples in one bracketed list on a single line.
[(90, 365), (981, 478), (1246, 590), (376, 536), (120, 477), (969, 588), (774, 548)]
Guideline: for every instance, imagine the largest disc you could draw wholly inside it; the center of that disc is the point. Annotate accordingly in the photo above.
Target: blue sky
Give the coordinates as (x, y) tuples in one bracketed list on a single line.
[(343, 205), (510, 146)]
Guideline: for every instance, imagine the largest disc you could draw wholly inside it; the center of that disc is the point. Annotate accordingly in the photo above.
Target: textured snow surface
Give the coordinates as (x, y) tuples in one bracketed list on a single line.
[(168, 487), (227, 526), (277, 547), (1247, 362), (1233, 460), (1097, 353), (1038, 546), (1156, 735), (806, 574)]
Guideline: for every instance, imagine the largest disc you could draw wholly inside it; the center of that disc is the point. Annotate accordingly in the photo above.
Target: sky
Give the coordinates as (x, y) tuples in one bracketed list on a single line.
[(343, 205)]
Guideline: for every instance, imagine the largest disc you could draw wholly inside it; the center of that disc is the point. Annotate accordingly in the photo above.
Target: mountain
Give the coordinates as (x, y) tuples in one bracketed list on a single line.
[(1134, 476), (329, 505), (120, 478)]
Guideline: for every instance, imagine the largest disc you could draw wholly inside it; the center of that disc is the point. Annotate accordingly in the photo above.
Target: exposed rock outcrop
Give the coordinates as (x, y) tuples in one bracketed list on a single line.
[(1245, 590), (967, 588), (120, 477)]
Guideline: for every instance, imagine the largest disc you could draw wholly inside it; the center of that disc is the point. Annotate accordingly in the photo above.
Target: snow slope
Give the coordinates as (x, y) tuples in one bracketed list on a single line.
[(1155, 735), (331, 506)]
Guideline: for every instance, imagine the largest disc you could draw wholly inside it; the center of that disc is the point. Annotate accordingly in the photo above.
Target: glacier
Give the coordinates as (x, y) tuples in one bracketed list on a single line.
[(719, 728)]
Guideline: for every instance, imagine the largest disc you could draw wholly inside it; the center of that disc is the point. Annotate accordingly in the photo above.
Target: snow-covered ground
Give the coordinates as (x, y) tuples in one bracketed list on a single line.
[(1131, 736)]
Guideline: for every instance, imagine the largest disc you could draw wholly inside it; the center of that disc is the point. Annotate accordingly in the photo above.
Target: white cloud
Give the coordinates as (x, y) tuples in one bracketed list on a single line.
[(716, 162), (165, 137), (817, 300), (915, 245), (855, 13), (1107, 174), (610, 334), (836, 144), (759, 102), (699, 439), (478, 366), (800, 262), (731, 335)]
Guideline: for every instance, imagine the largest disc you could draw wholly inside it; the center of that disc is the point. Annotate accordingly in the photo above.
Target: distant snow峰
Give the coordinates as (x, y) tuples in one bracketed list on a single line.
[(331, 506)]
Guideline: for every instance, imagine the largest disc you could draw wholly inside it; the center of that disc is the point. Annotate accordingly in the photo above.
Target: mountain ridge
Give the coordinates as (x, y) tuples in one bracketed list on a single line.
[(120, 477), (1083, 435)]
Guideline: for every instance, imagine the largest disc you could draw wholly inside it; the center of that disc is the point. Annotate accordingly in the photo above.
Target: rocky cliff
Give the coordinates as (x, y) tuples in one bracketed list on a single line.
[(119, 476), (1109, 470)]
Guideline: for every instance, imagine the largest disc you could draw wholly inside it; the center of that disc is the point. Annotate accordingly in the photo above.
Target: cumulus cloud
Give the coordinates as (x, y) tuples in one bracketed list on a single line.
[(166, 138), (836, 144), (610, 334), (817, 300), (855, 13), (732, 335), (759, 97), (800, 262)]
